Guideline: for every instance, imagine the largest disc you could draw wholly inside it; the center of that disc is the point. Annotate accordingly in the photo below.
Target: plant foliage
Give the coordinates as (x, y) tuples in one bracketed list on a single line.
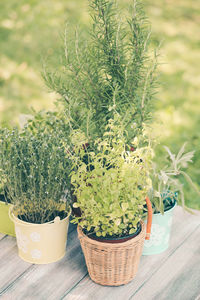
[(112, 186), (36, 172), (111, 69), (167, 185)]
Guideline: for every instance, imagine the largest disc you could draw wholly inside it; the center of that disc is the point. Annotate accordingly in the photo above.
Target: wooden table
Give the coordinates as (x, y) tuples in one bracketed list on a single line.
[(174, 274)]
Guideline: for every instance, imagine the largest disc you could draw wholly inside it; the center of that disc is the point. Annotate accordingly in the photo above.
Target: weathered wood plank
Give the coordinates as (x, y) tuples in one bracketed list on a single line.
[(11, 266), (178, 277), (67, 278), (2, 236), (53, 280), (184, 224)]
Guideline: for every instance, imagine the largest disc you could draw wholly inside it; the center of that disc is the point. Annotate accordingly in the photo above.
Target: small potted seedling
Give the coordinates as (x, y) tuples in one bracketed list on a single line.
[(36, 175), (110, 189), (166, 193)]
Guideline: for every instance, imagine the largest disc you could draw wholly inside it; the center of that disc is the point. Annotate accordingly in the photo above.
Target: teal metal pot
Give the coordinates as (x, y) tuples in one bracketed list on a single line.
[(160, 233)]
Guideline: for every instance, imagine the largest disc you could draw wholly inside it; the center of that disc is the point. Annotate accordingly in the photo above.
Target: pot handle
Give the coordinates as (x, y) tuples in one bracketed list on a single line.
[(149, 218)]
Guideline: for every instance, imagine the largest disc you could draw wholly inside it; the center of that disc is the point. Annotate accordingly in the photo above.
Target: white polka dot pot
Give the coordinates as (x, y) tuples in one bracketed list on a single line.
[(41, 243), (160, 233)]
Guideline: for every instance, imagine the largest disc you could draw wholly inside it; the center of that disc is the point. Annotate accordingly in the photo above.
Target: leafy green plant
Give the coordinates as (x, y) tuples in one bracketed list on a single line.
[(47, 121), (2, 179), (1, 182), (167, 185), (1, 185), (112, 186), (36, 173), (112, 69)]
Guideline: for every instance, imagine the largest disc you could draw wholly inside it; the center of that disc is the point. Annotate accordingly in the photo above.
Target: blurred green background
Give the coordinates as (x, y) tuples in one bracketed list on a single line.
[(30, 32)]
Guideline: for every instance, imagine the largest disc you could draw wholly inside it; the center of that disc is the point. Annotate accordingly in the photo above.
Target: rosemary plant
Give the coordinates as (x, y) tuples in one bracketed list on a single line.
[(111, 70), (36, 173)]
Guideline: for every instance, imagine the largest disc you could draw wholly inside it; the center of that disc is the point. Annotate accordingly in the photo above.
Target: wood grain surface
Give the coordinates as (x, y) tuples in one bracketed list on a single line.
[(174, 274)]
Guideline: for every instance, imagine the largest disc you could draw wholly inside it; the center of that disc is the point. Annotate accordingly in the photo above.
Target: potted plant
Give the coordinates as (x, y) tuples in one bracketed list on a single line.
[(167, 191), (36, 176), (109, 70), (110, 189), (46, 121)]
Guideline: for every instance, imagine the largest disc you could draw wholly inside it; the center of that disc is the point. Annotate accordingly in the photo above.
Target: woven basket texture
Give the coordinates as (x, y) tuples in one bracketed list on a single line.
[(112, 264)]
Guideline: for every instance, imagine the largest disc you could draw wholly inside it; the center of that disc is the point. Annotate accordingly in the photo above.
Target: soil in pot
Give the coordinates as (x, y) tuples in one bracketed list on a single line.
[(114, 239), (51, 216), (3, 199)]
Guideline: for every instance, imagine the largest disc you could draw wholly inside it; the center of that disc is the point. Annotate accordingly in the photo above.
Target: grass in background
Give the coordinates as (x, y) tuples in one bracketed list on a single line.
[(178, 109), (31, 30)]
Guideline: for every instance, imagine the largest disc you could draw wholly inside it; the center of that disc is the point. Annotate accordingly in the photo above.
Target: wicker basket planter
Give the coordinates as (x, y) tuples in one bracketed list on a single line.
[(112, 264)]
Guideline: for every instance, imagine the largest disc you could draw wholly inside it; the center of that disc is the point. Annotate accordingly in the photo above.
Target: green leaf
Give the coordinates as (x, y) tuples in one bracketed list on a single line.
[(132, 230), (117, 222), (124, 206)]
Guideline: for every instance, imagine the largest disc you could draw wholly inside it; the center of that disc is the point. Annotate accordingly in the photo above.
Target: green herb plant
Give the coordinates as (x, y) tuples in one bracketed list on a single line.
[(47, 121), (1, 182), (112, 186), (112, 68), (36, 173), (1, 185), (167, 186), (2, 178)]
